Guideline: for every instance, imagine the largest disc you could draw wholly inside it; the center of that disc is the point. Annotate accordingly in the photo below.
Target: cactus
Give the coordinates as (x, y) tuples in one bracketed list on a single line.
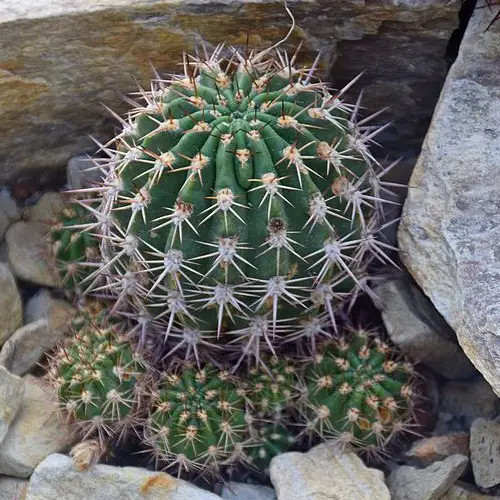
[(358, 394), (96, 374), (240, 203), (73, 251), (197, 420)]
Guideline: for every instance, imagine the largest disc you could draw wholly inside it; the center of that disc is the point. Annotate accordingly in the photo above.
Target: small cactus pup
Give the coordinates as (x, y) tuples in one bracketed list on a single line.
[(358, 394), (73, 250), (197, 421), (270, 390), (97, 376), (238, 198)]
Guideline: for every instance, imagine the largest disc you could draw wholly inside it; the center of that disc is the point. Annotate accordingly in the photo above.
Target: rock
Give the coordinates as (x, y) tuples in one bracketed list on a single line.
[(47, 208), (11, 397), (431, 483), (461, 402), (450, 227), (9, 212), (43, 306), (244, 491), (56, 475), (110, 41), (11, 307), (12, 488), (461, 491), (485, 452), (27, 254), (35, 433), (418, 330), (81, 172), (26, 346), (325, 473), (433, 449)]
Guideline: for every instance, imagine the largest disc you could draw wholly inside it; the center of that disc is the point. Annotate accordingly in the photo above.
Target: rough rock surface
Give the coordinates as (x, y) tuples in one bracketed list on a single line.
[(9, 212), (47, 208), (52, 87), (11, 307), (34, 434), (26, 346), (44, 306), (325, 473), (450, 228), (485, 452), (244, 491), (431, 483), (11, 397), (12, 488), (27, 253), (57, 476), (428, 450), (418, 330)]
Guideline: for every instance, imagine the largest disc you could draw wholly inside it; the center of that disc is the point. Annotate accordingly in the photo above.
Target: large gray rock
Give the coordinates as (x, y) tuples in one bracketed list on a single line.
[(28, 253), (450, 228), (11, 397), (11, 306), (35, 433), (326, 473), (244, 491), (431, 483), (51, 90), (418, 330), (485, 452), (56, 477)]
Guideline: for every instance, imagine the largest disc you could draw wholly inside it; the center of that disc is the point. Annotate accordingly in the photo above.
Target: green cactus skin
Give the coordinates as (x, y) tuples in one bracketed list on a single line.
[(356, 393), (73, 250), (96, 374), (272, 389), (271, 439), (239, 203), (197, 420)]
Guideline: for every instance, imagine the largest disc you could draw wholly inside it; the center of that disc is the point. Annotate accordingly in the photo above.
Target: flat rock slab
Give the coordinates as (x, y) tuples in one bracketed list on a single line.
[(450, 227), (326, 473), (56, 477), (431, 483), (485, 452), (61, 60)]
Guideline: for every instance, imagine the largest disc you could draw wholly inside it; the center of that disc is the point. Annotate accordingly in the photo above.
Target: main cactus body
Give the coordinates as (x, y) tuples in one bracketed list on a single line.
[(237, 204)]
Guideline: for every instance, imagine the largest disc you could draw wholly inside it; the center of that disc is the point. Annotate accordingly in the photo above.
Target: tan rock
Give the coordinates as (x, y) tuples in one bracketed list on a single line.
[(71, 56), (11, 397), (485, 452), (461, 491), (35, 433), (12, 488), (47, 208), (437, 448), (28, 257), (11, 307), (326, 473)]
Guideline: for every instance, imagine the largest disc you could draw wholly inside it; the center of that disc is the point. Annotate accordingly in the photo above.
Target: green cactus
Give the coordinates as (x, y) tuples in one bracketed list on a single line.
[(239, 203), (97, 374), (197, 420), (270, 439), (73, 250), (358, 394)]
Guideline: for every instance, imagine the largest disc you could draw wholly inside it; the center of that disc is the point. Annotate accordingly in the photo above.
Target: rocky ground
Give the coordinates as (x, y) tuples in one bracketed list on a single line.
[(443, 313)]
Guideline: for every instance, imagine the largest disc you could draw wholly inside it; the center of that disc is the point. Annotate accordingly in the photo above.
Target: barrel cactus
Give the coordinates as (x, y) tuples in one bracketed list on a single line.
[(358, 394), (239, 203), (197, 420), (97, 376)]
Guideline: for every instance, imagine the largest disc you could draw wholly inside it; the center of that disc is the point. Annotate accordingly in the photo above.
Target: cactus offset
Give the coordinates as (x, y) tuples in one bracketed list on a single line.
[(97, 374), (197, 421), (358, 394)]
